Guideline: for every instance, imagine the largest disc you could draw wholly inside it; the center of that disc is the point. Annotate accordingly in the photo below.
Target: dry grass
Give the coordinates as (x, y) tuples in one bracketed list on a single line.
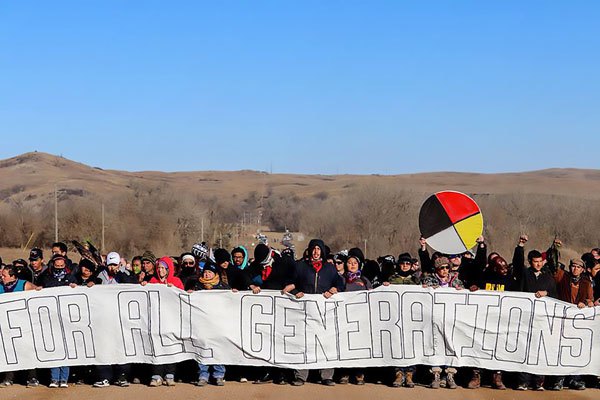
[(164, 211)]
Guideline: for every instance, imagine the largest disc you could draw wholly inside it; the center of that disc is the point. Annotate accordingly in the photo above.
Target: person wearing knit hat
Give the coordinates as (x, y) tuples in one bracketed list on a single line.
[(209, 280), (230, 275), (148, 266), (221, 256), (270, 271), (188, 267)]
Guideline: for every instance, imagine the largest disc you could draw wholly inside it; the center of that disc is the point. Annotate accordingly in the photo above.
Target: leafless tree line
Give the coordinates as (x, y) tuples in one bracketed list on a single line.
[(386, 218)]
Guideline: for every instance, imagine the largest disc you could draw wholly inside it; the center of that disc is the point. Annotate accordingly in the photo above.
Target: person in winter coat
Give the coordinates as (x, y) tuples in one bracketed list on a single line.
[(164, 374), (231, 275), (496, 277), (188, 267), (148, 266), (12, 283), (209, 280), (442, 277), (532, 279), (112, 275), (314, 275), (239, 256), (269, 271), (86, 274), (574, 287), (355, 281), (58, 275), (404, 275)]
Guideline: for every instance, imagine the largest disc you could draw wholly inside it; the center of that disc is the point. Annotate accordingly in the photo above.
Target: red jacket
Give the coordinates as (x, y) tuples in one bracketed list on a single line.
[(171, 278)]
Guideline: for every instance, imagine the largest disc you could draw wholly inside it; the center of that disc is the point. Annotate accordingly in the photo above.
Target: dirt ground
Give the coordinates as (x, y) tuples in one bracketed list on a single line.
[(235, 390)]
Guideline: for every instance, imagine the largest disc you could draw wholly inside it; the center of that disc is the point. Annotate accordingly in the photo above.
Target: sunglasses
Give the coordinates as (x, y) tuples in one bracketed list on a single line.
[(339, 262), (188, 263), (443, 267)]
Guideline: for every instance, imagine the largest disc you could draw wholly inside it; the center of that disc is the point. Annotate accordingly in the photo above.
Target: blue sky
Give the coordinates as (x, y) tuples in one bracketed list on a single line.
[(303, 86)]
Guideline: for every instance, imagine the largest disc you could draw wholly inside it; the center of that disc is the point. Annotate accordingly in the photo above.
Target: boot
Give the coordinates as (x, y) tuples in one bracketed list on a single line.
[(497, 381), (450, 384), (475, 382), (399, 381), (435, 383), (360, 379), (409, 380)]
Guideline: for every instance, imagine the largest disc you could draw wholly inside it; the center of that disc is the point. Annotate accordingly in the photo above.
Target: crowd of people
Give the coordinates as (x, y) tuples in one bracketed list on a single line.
[(318, 270)]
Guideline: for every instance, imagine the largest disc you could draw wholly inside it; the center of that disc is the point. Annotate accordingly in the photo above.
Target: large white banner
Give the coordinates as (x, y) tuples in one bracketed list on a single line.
[(389, 326)]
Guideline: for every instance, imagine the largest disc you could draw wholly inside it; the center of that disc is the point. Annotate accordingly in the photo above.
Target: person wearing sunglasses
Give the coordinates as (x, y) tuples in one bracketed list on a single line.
[(442, 277)]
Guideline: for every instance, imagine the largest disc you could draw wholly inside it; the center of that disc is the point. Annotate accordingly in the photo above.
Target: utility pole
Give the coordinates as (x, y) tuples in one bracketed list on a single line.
[(202, 227), (55, 214), (102, 244), (365, 248)]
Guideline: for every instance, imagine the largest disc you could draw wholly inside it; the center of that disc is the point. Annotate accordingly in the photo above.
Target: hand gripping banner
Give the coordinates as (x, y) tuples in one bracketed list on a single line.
[(389, 326)]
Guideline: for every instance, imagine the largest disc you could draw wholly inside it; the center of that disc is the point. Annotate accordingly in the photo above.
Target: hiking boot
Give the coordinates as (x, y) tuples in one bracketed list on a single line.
[(409, 380), (436, 382), (450, 384), (399, 381), (497, 381), (475, 382), (155, 382), (169, 382)]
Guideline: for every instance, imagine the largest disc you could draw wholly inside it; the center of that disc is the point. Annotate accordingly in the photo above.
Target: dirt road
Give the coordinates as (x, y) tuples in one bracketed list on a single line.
[(234, 390)]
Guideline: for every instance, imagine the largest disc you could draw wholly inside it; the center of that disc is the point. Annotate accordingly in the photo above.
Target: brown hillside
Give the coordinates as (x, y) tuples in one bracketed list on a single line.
[(32, 177)]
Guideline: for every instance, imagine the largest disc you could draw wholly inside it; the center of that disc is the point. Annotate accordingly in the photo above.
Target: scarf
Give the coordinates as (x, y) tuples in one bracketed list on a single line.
[(268, 260), (10, 287), (575, 279), (352, 277), (404, 274), (59, 274), (317, 264), (209, 283)]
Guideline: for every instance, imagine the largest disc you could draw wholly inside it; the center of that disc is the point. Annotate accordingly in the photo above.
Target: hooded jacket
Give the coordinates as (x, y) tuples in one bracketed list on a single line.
[(308, 280), (245, 251), (171, 278), (281, 274)]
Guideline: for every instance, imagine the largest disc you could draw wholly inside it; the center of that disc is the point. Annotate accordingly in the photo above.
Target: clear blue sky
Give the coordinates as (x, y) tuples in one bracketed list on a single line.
[(304, 86)]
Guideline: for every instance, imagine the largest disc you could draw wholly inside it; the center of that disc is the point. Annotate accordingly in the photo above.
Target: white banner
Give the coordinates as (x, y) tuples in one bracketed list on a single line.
[(389, 326)]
